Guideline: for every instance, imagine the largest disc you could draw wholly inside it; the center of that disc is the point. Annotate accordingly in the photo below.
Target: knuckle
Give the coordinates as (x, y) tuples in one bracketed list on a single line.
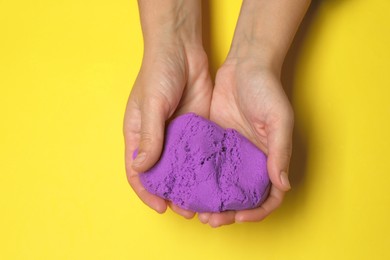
[(149, 139), (130, 176), (277, 204), (157, 104), (152, 102), (146, 139)]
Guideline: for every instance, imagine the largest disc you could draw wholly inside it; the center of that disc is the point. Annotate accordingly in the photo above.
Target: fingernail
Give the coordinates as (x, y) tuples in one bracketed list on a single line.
[(140, 158), (284, 180)]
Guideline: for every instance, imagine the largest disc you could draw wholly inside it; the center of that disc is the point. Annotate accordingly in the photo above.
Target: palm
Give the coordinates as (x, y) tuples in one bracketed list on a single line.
[(229, 108), (246, 101), (251, 101), (197, 91)]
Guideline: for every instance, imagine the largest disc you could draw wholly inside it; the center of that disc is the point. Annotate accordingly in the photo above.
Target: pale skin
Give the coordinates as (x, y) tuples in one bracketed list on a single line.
[(247, 95)]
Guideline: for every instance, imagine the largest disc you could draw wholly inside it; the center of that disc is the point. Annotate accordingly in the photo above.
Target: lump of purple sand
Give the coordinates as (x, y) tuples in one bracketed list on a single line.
[(205, 168)]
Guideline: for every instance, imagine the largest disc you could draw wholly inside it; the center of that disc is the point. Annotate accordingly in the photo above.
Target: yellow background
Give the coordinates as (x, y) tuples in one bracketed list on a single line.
[(66, 69)]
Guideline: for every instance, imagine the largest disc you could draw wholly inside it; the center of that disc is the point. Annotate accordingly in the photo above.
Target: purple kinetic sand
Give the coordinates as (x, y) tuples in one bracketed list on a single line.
[(205, 168)]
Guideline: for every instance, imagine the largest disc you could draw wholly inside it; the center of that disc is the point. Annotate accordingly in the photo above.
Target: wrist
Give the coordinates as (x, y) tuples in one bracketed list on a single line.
[(171, 23), (265, 30), (253, 38), (255, 53)]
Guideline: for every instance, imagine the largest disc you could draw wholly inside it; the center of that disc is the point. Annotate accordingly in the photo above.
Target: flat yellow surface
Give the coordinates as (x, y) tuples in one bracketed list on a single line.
[(66, 69)]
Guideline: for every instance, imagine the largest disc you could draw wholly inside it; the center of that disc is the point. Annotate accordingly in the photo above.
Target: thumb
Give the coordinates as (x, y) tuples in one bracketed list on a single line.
[(153, 118), (279, 154)]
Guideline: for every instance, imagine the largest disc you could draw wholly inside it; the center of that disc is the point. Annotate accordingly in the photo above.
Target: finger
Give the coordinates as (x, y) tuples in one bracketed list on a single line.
[(204, 217), (279, 151), (131, 129), (153, 116), (273, 201), (153, 201), (131, 133), (223, 218), (188, 214)]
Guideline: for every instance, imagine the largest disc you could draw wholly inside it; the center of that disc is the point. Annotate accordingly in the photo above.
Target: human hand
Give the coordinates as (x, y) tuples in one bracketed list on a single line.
[(248, 97), (173, 80)]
